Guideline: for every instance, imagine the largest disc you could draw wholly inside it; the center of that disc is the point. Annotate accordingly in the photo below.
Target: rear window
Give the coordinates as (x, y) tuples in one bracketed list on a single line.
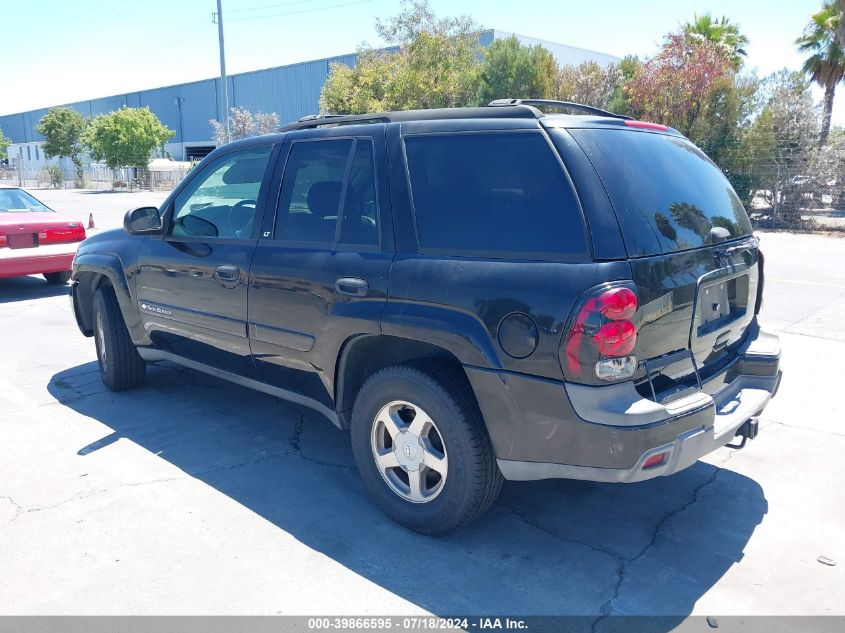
[(666, 193), (493, 194), (18, 200)]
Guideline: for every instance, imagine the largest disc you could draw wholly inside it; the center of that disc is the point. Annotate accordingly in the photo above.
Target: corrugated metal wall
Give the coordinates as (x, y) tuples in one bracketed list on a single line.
[(291, 91)]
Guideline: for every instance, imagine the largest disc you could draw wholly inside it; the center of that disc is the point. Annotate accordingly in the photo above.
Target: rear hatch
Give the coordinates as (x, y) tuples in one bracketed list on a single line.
[(693, 258)]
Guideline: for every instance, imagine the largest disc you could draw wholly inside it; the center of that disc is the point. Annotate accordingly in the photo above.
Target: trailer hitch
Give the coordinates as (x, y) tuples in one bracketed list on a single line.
[(748, 431)]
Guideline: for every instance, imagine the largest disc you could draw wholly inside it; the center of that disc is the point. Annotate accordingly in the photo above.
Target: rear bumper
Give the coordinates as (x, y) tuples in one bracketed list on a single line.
[(608, 433), (34, 261)]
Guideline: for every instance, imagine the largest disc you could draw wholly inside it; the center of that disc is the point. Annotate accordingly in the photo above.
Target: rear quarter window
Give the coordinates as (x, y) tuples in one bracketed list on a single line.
[(497, 194), (666, 193)]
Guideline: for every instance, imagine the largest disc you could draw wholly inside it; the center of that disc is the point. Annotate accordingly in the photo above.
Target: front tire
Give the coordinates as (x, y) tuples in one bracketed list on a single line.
[(422, 449), (57, 279), (121, 367)]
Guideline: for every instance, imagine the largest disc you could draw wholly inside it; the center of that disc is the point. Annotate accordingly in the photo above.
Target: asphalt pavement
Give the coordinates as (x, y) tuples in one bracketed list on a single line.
[(194, 496)]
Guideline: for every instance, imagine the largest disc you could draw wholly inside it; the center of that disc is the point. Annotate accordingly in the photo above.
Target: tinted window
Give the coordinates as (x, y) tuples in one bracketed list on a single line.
[(492, 193), (222, 200), (666, 193), (360, 211), (311, 193)]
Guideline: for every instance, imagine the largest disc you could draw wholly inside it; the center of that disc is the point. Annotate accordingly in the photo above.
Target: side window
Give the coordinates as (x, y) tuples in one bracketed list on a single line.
[(360, 205), (495, 194), (312, 187), (222, 200)]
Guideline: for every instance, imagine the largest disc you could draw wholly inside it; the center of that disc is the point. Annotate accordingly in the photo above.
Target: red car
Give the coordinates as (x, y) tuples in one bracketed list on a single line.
[(34, 239)]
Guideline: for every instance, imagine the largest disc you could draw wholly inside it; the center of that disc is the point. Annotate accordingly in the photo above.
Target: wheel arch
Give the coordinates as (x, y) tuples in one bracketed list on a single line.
[(91, 272), (362, 356)]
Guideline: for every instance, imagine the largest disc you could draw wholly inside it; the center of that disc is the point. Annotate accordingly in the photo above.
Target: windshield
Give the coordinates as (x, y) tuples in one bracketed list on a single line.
[(19, 201), (667, 194)]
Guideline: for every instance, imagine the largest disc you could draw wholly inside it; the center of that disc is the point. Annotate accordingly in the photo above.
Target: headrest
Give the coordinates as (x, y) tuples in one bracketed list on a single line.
[(324, 198)]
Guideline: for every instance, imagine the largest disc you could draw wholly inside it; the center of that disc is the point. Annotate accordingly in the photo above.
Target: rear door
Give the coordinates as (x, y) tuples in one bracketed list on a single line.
[(321, 268), (689, 243), (192, 282)]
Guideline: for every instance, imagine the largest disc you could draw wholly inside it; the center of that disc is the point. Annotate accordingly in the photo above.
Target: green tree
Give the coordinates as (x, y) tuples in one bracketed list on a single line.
[(778, 145), (436, 65), (4, 145), (62, 129), (673, 86), (619, 102), (513, 70), (720, 32), (718, 130), (125, 137), (825, 63)]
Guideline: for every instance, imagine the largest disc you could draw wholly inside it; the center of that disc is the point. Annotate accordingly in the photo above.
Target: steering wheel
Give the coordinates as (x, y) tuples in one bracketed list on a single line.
[(238, 224)]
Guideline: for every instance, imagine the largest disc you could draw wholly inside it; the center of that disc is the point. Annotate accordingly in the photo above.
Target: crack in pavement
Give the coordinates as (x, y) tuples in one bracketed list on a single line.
[(295, 442), (538, 526), (625, 563), (803, 428), (18, 509), (133, 484), (294, 451)]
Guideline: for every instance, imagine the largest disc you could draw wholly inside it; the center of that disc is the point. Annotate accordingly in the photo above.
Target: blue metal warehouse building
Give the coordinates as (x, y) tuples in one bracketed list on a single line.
[(292, 91)]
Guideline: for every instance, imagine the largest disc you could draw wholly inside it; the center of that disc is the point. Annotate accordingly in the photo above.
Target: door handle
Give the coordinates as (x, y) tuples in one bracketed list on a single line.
[(352, 286), (228, 275)]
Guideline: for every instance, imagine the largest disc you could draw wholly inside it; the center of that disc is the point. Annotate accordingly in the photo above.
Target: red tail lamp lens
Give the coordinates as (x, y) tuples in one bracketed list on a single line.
[(62, 236), (603, 336), (616, 338), (618, 304)]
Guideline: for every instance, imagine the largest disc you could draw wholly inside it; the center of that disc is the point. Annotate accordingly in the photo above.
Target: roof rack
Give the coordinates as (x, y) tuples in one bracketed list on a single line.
[(500, 108), (579, 107), (329, 120)]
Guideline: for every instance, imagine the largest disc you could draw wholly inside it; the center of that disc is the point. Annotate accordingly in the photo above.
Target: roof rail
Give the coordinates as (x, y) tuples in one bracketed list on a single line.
[(524, 111), (580, 107)]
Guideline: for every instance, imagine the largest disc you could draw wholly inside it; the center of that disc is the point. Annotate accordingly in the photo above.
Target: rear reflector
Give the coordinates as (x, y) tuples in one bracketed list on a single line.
[(654, 460), (646, 125)]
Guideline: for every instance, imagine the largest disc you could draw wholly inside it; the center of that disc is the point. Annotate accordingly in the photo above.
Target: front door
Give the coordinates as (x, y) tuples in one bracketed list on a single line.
[(320, 270), (192, 283)]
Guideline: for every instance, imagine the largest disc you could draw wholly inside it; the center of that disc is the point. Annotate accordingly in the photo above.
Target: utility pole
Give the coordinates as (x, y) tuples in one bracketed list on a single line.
[(223, 80)]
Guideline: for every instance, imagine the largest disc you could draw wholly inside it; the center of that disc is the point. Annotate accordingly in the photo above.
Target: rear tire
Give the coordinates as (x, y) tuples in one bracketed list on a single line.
[(121, 367), (452, 457), (57, 279)]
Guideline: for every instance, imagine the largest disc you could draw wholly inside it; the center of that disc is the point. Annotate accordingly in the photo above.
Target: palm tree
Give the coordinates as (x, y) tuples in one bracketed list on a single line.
[(826, 61), (721, 32)]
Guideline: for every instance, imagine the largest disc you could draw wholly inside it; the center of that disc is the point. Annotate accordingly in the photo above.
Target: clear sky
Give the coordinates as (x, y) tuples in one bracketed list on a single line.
[(58, 51)]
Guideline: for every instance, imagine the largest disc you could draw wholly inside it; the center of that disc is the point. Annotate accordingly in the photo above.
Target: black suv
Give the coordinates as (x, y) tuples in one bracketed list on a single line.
[(476, 294)]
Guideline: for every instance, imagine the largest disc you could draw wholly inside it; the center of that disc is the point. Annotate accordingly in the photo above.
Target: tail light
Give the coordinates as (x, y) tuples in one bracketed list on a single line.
[(3, 241), (64, 235), (602, 337)]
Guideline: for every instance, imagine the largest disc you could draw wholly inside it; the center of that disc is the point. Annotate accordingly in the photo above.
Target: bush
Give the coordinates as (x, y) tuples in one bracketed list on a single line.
[(53, 174), (119, 184)]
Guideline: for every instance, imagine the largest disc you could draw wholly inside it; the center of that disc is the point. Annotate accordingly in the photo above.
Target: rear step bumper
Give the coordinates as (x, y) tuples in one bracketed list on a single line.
[(628, 432)]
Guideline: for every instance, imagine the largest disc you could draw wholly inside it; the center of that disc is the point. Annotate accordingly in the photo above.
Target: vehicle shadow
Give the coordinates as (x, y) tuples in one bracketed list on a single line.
[(31, 287), (546, 548)]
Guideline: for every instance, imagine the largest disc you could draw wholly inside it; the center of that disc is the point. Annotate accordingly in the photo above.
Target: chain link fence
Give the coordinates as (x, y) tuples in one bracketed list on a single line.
[(95, 177)]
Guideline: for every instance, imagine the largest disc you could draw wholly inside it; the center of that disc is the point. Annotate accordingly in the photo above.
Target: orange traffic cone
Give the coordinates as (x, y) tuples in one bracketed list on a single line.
[(91, 221)]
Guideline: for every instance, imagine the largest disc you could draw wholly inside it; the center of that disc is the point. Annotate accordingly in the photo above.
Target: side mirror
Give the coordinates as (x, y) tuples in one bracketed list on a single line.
[(142, 221)]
